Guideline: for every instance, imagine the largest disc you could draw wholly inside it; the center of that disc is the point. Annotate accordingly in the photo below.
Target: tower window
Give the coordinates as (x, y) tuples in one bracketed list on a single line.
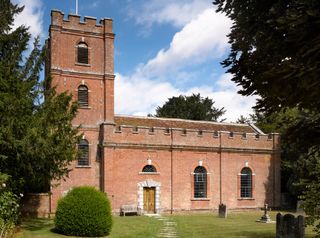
[(200, 182), (83, 157), (82, 54), (83, 96)]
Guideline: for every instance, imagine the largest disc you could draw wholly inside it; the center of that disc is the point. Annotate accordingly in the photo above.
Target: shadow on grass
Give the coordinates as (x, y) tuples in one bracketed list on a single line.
[(254, 234), (37, 224)]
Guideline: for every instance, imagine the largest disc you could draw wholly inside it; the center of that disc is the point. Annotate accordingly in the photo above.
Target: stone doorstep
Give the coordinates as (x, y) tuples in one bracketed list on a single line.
[(167, 235), (168, 230), (152, 215)]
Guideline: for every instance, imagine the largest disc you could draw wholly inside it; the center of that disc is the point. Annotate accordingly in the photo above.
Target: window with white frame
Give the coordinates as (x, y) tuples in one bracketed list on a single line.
[(200, 182), (246, 183)]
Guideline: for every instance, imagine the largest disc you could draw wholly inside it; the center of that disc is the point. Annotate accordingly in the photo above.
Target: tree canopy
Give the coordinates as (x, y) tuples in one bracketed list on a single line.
[(37, 140), (192, 107), (275, 51)]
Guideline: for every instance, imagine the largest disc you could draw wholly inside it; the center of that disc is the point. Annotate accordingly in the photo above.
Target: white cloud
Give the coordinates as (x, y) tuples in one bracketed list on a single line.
[(31, 16), (140, 96), (201, 39), (177, 13)]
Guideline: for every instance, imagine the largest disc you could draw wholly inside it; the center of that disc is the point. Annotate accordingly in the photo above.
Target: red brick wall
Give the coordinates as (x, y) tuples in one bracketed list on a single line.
[(123, 168), (36, 204)]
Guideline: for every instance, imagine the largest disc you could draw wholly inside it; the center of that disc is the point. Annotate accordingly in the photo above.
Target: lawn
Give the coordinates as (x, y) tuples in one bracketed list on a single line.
[(130, 226), (238, 224)]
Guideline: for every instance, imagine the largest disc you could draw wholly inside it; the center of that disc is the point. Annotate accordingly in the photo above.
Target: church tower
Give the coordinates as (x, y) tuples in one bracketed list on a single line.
[(80, 61)]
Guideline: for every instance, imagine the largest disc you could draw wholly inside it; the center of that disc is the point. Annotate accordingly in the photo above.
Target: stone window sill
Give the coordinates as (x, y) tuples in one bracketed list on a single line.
[(246, 199), (200, 199), (87, 108), (81, 64), (83, 166), (149, 173)]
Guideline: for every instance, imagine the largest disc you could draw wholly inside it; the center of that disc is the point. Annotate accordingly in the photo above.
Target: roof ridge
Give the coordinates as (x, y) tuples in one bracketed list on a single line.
[(184, 120)]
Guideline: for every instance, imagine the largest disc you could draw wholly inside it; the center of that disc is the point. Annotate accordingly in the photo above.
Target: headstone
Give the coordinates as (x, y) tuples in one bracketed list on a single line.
[(279, 227), (289, 227), (300, 227), (222, 210)]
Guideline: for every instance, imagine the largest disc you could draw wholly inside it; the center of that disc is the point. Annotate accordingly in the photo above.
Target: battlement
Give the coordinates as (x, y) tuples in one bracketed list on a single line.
[(180, 137), (73, 22)]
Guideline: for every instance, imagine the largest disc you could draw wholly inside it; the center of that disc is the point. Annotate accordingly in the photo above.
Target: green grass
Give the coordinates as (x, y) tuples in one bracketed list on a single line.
[(238, 225), (130, 226)]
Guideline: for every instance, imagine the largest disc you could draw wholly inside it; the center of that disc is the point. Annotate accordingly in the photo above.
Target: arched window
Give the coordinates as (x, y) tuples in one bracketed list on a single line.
[(246, 183), (200, 182), (82, 53), (83, 157), (83, 96), (149, 169)]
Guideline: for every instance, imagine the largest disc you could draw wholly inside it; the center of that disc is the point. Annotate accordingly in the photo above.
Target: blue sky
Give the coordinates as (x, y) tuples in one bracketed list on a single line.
[(163, 48)]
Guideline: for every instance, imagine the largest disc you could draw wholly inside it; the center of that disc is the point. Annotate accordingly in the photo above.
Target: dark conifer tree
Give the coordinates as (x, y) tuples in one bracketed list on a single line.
[(192, 107), (37, 140)]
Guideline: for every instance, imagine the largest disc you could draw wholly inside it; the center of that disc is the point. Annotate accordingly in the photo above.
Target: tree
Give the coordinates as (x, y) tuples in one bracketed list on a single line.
[(243, 120), (37, 140), (275, 53), (192, 107)]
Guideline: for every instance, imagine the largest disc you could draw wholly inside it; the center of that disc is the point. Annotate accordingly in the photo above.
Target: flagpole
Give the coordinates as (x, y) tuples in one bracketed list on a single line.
[(76, 7)]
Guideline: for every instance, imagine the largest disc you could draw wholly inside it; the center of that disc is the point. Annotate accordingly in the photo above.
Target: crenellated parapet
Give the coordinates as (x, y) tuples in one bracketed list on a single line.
[(73, 22), (190, 139)]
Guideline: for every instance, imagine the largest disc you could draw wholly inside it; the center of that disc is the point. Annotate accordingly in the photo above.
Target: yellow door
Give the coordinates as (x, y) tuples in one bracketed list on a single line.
[(149, 200)]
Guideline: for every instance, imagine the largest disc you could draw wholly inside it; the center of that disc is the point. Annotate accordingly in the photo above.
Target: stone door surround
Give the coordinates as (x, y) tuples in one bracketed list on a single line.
[(148, 184)]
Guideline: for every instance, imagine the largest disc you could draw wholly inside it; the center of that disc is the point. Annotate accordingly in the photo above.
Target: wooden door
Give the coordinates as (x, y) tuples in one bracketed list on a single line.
[(149, 200)]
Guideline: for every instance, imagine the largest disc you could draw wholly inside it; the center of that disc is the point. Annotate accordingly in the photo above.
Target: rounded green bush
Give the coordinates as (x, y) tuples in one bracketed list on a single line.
[(84, 211)]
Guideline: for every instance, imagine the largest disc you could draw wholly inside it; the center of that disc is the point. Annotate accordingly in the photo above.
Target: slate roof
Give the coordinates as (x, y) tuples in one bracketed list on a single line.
[(181, 123)]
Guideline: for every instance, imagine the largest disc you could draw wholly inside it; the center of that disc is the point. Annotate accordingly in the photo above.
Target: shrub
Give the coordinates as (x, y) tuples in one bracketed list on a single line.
[(84, 211), (9, 208), (6, 228)]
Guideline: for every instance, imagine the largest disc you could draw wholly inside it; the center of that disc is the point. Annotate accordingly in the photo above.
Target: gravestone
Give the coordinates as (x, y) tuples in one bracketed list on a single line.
[(289, 226), (222, 210), (265, 218)]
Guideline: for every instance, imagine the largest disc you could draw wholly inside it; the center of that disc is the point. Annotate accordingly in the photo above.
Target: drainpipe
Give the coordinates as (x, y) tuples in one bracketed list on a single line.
[(104, 72), (220, 160), (50, 206), (274, 169), (171, 158)]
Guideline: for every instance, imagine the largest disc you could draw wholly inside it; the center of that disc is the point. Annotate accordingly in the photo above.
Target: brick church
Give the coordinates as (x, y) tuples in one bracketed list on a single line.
[(156, 164)]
